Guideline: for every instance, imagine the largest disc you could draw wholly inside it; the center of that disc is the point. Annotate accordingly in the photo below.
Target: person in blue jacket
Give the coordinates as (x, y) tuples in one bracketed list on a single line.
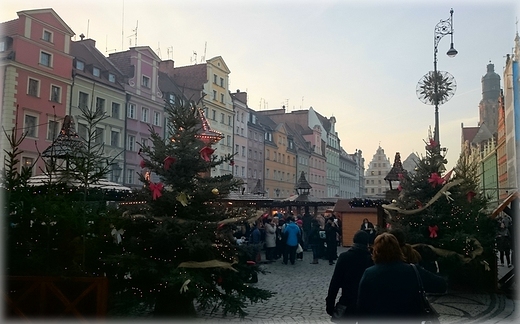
[(291, 231), (389, 289)]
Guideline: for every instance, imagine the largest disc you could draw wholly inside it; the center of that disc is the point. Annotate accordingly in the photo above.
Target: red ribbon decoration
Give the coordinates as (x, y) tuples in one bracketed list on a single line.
[(433, 231), (470, 195), (435, 180), (168, 161), (433, 143), (142, 164), (206, 152), (156, 189), (232, 162)]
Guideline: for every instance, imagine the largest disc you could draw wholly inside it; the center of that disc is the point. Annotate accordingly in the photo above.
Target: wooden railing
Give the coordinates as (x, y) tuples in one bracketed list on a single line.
[(55, 297)]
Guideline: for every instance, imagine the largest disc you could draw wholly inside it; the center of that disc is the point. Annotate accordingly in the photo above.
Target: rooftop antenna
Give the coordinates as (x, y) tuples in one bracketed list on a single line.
[(88, 26), (301, 107), (123, 26), (169, 51), (159, 50), (106, 45), (135, 30), (194, 58), (203, 58)]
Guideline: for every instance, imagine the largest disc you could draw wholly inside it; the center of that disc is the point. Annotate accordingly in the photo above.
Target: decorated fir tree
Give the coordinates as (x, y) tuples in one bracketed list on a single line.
[(444, 215), (174, 249)]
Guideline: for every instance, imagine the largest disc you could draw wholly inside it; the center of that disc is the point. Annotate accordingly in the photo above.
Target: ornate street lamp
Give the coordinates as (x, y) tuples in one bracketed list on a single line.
[(437, 87)]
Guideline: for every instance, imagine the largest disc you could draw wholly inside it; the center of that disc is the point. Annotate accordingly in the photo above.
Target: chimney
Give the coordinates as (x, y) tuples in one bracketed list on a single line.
[(167, 67)]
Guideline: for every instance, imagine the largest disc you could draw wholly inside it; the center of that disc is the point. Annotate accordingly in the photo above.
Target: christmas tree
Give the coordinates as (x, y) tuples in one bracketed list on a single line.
[(174, 250), (443, 215)]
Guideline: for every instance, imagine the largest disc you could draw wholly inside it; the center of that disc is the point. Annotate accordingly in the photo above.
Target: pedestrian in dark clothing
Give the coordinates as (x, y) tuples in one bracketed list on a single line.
[(331, 231), (390, 289), (306, 219), (368, 227), (315, 240), (348, 272), (503, 239)]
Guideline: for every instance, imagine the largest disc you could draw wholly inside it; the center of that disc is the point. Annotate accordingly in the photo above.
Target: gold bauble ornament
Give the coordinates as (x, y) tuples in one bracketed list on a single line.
[(214, 191)]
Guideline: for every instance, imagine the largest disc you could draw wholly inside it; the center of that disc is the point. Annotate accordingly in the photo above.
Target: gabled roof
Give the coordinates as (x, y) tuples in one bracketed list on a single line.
[(468, 133), (67, 144), (397, 169), (36, 13), (9, 28), (222, 66)]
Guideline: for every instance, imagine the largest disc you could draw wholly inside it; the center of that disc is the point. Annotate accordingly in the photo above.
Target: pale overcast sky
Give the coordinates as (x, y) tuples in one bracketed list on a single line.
[(359, 61)]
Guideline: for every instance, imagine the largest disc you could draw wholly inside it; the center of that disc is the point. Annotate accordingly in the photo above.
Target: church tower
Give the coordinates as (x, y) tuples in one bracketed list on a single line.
[(488, 106)]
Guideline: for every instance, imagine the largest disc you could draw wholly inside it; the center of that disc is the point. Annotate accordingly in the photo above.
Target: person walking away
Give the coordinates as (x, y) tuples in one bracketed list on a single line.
[(280, 242), (503, 239), (389, 289), (331, 231), (270, 240), (315, 241), (255, 240), (410, 254), (348, 272), (291, 232), (306, 219)]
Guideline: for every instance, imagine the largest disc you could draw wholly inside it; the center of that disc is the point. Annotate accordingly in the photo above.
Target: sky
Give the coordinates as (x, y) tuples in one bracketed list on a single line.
[(359, 61)]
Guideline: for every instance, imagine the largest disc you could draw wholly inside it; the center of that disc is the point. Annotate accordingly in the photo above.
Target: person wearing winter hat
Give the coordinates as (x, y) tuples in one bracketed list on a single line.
[(349, 269)]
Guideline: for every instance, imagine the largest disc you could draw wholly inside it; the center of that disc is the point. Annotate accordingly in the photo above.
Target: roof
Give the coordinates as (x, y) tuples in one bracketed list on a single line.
[(67, 144), (468, 133), (397, 169), (104, 184), (503, 205), (191, 79)]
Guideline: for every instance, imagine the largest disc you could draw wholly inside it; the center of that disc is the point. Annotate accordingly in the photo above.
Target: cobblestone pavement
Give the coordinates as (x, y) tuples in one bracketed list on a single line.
[(301, 290)]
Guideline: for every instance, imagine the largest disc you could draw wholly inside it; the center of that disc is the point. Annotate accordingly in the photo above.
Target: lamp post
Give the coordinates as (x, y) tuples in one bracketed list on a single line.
[(443, 28), (437, 87)]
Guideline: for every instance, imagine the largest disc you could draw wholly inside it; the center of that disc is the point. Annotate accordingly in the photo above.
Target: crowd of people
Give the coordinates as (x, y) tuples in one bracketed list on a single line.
[(375, 275)]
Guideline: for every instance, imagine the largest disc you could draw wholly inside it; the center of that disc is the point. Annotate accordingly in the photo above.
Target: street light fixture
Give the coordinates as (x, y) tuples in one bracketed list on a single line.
[(437, 87)]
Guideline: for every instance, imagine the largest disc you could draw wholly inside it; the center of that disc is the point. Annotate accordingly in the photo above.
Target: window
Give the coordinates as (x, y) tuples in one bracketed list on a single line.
[(131, 143), (2, 46), (55, 93), (267, 155), (237, 147), (33, 88), (222, 118), (243, 171), (82, 131), (222, 98), (214, 95), (214, 78), (30, 125), (144, 114), (80, 65), (96, 72), (222, 82), (116, 108), (144, 142), (249, 155), (47, 36), (131, 111), (130, 176), (236, 170), (156, 118), (83, 100), (243, 151), (52, 130), (213, 114), (100, 104), (228, 140), (145, 81), (114, 138), (100, 136), (229, 121), (111, 77), (45, 59), (172, 99)]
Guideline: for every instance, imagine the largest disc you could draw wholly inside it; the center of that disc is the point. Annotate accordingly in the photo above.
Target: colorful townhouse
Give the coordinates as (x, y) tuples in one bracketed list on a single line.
[(36, 70), (243, 152), (209, 83), (144, 107), (255, 162), (98, 85)]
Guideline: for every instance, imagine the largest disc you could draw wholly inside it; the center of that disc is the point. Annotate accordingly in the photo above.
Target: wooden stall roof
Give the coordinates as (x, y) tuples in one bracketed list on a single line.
[(504, 204)]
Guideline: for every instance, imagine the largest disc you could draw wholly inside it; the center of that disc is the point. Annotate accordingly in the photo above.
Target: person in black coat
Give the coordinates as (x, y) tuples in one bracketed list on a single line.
[(331, 232), (390, 289), (315, 240), (348, 272), (368, 227)]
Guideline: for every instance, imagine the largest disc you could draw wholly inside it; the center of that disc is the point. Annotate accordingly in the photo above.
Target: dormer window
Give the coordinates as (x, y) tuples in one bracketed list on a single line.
[(96, 72), (2, 46), (47, 36), (80, 65), (111, 77)]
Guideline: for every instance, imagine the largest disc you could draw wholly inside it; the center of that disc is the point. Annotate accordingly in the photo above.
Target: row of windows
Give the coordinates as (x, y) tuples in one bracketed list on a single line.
[(33, 89), (80, 65), (216, 78), (281, 158), (280, 175)]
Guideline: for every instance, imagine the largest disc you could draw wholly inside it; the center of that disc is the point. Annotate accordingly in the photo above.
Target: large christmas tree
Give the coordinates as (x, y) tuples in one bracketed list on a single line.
[(444, 214), (174, 249)]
